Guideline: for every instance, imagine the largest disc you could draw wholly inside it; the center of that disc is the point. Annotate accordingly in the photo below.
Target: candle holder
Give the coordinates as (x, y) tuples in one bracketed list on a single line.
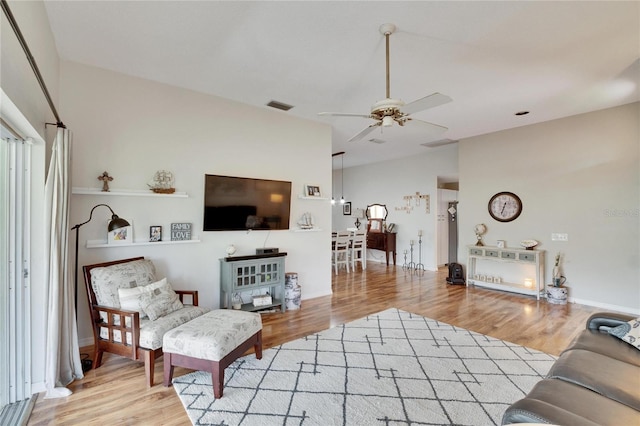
[(405, 265), (420, 266), (412, 264)]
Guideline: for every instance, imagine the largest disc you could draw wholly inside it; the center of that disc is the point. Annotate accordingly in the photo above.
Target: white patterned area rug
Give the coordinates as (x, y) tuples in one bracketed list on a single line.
[(390, 368)]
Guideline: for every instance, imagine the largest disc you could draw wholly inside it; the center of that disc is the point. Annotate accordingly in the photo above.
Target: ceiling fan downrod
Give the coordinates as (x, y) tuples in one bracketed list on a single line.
[(387, 30)]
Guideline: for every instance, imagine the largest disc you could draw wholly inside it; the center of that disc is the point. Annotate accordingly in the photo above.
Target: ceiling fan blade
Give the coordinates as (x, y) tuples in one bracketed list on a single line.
[(427, 102), (364, 132), (344, 114), (433, 128)]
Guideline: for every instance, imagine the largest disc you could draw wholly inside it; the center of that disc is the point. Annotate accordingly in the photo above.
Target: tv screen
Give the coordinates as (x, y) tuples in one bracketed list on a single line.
[(237, 203)]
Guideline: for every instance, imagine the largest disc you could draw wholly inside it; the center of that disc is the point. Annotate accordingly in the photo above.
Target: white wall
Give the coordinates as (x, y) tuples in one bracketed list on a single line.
[(28, 111), (578, 175), (16, 77), (132, 127), (386, 183)]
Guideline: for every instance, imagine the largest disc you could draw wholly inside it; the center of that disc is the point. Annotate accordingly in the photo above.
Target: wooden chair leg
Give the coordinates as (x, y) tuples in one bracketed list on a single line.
[(258, 345), (149, 366), (168, 370), (217, 378), (97, 358)]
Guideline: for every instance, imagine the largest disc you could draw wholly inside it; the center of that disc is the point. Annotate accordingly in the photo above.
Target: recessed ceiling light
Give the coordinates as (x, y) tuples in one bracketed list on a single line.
[(279, 105), (522, 113)]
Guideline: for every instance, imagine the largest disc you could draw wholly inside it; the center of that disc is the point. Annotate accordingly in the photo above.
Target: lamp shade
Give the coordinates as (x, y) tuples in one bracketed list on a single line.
[(117, 223)]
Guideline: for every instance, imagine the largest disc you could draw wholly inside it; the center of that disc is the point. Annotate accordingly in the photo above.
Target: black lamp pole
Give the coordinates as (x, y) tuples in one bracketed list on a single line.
[(115, 223)]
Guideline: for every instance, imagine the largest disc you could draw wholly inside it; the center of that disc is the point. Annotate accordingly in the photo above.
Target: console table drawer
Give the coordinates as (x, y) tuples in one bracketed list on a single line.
[(527, 257), (476, 251), (508, 255), (491, 253)]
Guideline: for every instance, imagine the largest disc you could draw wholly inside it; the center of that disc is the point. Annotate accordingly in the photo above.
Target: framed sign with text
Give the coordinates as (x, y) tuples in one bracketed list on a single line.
[(180, 231)]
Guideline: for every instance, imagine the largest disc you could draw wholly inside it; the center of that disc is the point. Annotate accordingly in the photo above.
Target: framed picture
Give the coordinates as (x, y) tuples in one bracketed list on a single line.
[(180, 231), (346, 208), (501, 243), (312, 191), (155, 233), (375, 225), (121, 235)]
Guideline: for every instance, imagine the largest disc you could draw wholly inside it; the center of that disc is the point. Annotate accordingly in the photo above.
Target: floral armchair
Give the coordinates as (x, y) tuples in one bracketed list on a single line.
[(131, 310)]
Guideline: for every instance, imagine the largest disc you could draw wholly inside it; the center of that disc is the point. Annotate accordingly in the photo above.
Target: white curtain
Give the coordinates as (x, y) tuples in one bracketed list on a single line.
[(63, 363)]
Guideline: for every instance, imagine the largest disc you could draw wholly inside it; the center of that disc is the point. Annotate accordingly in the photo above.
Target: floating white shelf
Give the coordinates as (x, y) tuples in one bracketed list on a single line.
[(307, 230), (104, 244), (126, 192), (304, 197)]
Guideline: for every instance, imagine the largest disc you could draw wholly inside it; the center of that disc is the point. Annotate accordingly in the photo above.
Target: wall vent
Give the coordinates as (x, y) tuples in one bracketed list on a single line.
[(279, 105)]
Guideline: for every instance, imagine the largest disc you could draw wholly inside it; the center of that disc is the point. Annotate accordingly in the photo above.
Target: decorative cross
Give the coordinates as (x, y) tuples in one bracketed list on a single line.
[(105, 178)]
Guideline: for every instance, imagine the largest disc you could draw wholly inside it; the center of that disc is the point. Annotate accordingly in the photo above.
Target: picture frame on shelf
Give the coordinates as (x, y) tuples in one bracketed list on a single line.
[(121, 235), (501, 243), (181, 231), (346, 208), (155, 233), (312, 191)]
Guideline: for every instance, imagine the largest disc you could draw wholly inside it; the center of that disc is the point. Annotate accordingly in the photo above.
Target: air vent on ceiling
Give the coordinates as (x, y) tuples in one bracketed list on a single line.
[(378, 141), (440, 142), (279, 105)]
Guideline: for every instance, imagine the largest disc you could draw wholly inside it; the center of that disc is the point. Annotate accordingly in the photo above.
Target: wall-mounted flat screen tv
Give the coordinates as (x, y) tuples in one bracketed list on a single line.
[(237, 203)]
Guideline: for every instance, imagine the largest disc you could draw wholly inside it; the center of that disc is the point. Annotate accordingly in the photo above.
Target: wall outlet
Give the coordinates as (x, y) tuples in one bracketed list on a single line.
[(559, 237)]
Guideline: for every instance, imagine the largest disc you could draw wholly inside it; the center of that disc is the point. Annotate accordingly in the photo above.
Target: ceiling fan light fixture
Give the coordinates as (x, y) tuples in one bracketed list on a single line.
[(387, 121)]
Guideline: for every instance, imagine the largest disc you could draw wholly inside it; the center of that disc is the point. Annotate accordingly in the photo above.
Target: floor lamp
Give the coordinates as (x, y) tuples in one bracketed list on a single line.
[(115, 223)]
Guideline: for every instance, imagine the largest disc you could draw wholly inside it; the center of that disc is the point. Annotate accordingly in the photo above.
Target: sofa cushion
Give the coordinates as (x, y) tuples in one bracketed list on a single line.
[(152, 332), (213, 335), (106, 280), (609, 377), (561, 403), (628, 332), (605, 344)]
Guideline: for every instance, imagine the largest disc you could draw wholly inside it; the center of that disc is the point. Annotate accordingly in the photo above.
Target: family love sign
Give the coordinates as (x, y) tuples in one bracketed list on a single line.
[(180, 231)]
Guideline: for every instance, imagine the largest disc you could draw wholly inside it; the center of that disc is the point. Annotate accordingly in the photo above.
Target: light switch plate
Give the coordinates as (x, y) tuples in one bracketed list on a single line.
[(559, 237)]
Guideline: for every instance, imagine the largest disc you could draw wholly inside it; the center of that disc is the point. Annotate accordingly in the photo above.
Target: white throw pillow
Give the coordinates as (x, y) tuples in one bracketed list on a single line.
[(131, 298)]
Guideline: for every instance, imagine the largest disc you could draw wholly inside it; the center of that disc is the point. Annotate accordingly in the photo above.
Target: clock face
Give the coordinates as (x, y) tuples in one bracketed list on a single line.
[(505, 206)]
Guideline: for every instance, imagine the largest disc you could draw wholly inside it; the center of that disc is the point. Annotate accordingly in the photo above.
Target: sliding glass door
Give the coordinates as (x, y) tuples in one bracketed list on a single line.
[(15, 284)]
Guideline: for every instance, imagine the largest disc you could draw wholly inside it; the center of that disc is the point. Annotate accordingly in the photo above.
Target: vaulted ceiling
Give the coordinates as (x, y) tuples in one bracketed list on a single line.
[(553, 59)]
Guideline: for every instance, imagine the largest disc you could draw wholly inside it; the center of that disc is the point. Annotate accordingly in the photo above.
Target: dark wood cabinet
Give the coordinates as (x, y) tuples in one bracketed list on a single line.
[(385, 241)]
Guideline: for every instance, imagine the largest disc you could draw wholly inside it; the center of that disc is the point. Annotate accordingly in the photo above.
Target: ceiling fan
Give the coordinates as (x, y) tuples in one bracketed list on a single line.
[(388, 110)]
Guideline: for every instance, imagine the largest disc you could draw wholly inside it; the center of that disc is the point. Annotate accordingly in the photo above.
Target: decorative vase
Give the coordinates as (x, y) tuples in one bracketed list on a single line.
[(236, 301), (557, 295)]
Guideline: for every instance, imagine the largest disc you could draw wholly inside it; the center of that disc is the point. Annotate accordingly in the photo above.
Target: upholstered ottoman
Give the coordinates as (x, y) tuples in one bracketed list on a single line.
[(211, 343)]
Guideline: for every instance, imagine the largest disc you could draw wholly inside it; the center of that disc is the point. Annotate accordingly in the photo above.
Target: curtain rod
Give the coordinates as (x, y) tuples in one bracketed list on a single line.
[(32, 61)]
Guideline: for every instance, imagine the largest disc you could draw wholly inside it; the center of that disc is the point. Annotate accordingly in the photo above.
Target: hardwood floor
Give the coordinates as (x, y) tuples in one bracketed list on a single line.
[(116, 393)]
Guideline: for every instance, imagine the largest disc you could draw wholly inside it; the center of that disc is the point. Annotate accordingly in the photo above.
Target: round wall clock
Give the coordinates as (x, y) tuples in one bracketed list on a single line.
[(505, 206)]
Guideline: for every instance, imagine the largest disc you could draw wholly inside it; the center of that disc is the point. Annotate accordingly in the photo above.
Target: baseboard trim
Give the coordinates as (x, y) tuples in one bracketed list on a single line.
[(605, 306)]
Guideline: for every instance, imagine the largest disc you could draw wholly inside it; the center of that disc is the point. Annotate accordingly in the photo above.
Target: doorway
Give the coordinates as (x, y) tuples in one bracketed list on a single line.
[(447, 225)]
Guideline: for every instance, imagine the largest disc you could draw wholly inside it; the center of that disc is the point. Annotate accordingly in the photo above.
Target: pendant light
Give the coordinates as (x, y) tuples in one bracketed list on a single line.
[(333, 185), (342, 178)]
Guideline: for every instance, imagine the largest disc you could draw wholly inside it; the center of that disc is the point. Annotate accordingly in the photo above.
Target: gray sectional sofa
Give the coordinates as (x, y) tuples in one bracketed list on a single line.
[(595, 381)]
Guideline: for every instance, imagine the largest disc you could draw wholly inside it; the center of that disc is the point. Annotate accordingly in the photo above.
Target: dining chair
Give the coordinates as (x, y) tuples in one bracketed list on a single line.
[(340, 251), (358, 249)]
